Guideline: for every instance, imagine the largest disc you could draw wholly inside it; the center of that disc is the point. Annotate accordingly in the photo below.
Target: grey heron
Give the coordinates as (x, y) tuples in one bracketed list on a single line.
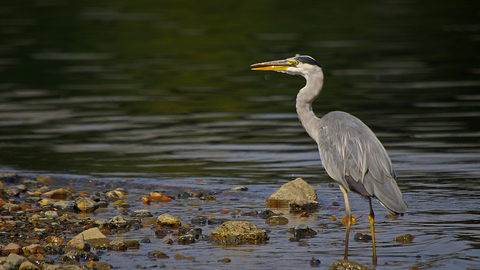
[(350, 152)]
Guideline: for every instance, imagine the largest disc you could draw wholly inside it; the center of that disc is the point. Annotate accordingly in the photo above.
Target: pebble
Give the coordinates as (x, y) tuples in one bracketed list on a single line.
[(360, 237), (158, 254), (404, 239), (141, 213), (168, 220), (276, 220)]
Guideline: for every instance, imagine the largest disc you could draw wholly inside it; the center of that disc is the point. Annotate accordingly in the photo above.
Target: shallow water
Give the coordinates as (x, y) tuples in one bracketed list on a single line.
[(162, 94)]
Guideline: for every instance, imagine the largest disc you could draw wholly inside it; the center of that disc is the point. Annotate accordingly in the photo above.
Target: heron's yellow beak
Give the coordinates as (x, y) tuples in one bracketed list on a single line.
[(281, 65)]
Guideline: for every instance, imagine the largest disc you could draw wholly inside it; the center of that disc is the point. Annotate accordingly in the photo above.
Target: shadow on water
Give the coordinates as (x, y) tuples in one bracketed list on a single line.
[(161, 93)]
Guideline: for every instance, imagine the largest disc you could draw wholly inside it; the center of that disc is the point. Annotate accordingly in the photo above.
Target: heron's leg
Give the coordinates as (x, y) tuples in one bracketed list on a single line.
[(349, 218), (371, 218)]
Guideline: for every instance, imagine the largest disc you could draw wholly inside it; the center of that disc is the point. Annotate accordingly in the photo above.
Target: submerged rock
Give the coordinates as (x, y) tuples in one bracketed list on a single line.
[(296, 194), (347, 265), (314, 262), (276, 220), (404, 239), (360, 237), (238, 233), (301, 231)]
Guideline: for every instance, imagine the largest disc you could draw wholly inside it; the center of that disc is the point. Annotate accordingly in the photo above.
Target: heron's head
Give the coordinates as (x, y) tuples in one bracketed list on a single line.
[(298, 65)]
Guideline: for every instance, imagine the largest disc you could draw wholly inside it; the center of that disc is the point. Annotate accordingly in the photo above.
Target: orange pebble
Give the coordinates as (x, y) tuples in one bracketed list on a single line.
[(344, 220), (224, 212)]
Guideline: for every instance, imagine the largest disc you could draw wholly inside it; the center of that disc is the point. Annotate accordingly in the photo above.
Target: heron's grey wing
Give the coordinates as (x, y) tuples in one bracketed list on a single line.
[(353, 156)]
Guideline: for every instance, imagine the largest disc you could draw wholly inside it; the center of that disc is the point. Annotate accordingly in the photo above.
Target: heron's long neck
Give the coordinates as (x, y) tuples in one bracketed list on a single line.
[(305, 97)]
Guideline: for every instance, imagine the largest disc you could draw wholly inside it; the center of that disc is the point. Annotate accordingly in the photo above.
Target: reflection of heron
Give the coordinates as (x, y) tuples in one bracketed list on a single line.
[(351, 153)]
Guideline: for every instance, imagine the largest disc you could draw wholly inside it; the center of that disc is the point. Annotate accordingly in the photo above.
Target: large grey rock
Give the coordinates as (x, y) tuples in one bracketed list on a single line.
[(297, 194)]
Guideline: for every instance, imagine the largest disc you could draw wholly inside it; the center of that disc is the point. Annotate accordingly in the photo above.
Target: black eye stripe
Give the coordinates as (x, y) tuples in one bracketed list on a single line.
[(307, 60)]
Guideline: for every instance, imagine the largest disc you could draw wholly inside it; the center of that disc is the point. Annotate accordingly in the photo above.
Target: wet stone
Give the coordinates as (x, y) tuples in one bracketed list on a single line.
[(83, 204), (168, 221), (51, 214), (225, 260), (12, 248), (103, 266), (297, 193), (360, 237), (187, 239), (241, 188), (145, 240), (67, 206), (238, 233), (118, 245), (214, 221), (276, 220), (314, 262), (182, 257), (347, 265), (266, 214), (15, 260), (132, 244), (404, 239), (158, 254), (302, 231), (252, 213), (27, 266), (199, 220), (141, 213)]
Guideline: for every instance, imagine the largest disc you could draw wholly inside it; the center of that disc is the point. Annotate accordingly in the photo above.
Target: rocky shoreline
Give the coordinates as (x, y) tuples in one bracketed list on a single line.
[(45, 228)]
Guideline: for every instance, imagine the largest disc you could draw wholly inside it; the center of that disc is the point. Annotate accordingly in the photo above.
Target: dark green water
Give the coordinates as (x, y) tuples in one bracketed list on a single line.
[(161, 92)]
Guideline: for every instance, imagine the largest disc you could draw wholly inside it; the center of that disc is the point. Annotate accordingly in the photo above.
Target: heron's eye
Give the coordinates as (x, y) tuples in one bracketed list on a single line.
[(295, 62)]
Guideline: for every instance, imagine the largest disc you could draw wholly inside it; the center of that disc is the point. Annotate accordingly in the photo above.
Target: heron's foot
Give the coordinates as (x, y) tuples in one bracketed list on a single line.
[(353, 220)]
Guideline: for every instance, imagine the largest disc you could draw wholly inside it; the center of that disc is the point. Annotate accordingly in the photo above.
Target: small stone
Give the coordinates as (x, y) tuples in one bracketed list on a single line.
[(266, 214), (51, 214), (404, 239), (225, 260), (118, 221), (360, 237), (118, 244), (208, 198), (27, 266), (54, 240), (12, 248), (103, 266), (64, 206), (141, 213), (199, 220), (157, 254), (15, 260), (168, 221), (314, 262), (187, 239), (84, 204), (132, 244), (241, 188), (58, 194), (182, 257), (145, 240), (33, 249), (215, 221), (344, 264), (238, 233), (276, 220), (302, 231), (252, 213)]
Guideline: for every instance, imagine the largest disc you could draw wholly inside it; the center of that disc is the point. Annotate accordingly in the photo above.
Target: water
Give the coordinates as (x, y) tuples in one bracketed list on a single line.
[(162, 94)]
